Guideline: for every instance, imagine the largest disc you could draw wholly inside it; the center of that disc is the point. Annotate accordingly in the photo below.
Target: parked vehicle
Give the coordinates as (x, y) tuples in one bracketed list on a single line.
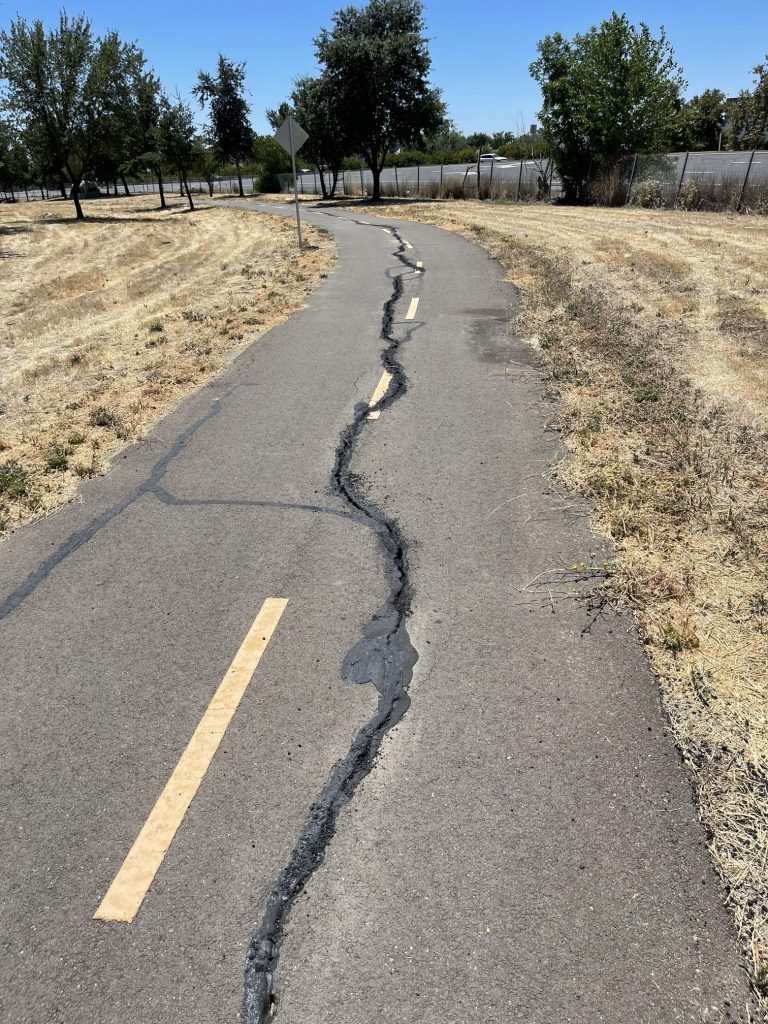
[(487, 157)]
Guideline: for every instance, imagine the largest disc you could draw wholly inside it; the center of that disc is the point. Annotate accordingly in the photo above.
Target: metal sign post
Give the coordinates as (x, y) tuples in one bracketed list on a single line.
[(291, 136)]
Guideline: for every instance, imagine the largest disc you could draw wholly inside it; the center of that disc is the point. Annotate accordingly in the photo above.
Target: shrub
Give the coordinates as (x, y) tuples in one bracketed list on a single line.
[(14, 480), (648, 194), (102, 417), (57, 457), (690, 196)]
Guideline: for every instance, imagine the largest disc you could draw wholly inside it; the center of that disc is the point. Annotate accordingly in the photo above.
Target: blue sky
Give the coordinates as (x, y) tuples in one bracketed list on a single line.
[(480, 51)]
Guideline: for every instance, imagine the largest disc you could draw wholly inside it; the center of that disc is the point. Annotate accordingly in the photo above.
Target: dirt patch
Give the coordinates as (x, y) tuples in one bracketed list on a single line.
[(651, 327), (106, 325)]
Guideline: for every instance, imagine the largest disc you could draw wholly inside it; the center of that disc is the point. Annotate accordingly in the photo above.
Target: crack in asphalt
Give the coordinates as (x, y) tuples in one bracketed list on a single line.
[(384, 657), (166, 498), (81, 537)]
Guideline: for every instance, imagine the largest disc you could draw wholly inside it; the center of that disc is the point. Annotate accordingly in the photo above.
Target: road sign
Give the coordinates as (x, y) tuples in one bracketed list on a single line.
[(288, 130), (291, 136)]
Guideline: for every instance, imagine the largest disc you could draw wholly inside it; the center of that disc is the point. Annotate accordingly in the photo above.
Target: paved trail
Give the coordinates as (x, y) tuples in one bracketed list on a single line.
[(525, 848)]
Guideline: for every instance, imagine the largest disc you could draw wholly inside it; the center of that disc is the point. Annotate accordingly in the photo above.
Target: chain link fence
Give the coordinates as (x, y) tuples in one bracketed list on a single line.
[(735, 181)]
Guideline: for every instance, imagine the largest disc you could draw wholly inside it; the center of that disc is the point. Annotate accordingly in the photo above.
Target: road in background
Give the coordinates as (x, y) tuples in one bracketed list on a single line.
[(515, 178)]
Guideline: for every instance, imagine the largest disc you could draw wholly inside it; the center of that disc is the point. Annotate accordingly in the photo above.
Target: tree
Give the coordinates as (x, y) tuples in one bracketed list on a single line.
[(176, 139), (205, 162), (702, 121), (14, 160), (229, 128), (315, 105), (613, 91), (377, 62), (749, 115), (66, 87)]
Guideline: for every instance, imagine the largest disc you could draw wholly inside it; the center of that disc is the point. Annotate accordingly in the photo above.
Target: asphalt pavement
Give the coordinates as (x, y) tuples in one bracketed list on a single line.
[(495, 828)]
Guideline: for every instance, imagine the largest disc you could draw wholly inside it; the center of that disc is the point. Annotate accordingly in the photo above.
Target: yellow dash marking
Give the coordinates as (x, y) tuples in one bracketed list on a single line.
[(378, 394), (125, 895), (412, 309), (419, 263), (407, 244), (385, 230)]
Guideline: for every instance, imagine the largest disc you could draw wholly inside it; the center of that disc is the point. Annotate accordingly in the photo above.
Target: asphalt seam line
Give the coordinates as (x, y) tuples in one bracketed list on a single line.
[(132, 882)]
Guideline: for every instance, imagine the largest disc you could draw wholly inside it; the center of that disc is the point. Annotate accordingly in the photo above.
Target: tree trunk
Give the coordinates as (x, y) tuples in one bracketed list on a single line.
[(125, 185), (376, 173), (186, 189), (334, 183), (63, 188), (239, 177), (76, 198), (210, 187), (181, 183), (163, 204), (323, 189)]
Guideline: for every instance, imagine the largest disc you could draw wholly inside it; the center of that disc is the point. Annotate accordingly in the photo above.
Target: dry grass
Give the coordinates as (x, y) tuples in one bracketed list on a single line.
[(105, 325), (652, 326)]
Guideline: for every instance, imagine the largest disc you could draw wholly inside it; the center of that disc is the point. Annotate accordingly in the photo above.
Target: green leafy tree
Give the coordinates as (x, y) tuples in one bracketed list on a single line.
[(67, 87), (376, 60), (229, 127), (175, 137), (702, 120), (205, 162), (271, 160), (749, 115), (315, 105), (15, 166), (143, 147), (610, 92)]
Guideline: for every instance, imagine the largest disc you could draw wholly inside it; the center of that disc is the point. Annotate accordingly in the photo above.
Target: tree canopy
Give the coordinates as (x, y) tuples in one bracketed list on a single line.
[(315, 105), (229, 127), (749, 116), (67, 89), (376, 60), (607, 93), (702, 120)]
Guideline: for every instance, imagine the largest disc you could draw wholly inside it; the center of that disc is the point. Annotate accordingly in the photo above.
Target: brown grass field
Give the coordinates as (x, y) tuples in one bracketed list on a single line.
[(652, 329), (105, 325)]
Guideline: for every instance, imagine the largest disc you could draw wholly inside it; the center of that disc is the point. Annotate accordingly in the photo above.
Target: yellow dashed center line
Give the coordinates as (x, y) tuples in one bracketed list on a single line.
[(419, 263), (412, 309), (378, 394), (125, 895), (407, 244)]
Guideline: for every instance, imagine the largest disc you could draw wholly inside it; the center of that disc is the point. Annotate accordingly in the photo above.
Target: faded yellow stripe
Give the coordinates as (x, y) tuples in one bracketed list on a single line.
[(378, 394), (125, 895), (412, 309)]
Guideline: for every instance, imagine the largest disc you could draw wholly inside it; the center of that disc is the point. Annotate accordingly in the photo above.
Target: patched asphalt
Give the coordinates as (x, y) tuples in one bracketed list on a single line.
[(525, 847)]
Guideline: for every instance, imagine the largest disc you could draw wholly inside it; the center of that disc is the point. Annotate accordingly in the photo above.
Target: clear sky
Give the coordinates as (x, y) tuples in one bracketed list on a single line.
[(480, 51)]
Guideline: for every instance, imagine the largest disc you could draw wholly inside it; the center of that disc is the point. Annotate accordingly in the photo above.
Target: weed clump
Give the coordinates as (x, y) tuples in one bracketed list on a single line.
[(100, 416), (57, 457), (14, 481)]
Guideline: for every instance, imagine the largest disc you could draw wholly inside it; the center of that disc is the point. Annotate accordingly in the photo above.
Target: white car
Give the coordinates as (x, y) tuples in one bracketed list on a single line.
[(488, 157)]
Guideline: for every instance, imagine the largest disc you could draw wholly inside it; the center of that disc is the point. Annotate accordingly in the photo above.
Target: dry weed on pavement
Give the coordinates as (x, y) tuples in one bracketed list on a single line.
[(106, 324)]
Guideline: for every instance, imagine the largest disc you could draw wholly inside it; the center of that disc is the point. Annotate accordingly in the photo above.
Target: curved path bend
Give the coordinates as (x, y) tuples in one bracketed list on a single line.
[(445, 795)]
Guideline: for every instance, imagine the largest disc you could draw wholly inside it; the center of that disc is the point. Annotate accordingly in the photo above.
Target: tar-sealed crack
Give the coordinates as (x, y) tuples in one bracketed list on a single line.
[(384, 656)]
